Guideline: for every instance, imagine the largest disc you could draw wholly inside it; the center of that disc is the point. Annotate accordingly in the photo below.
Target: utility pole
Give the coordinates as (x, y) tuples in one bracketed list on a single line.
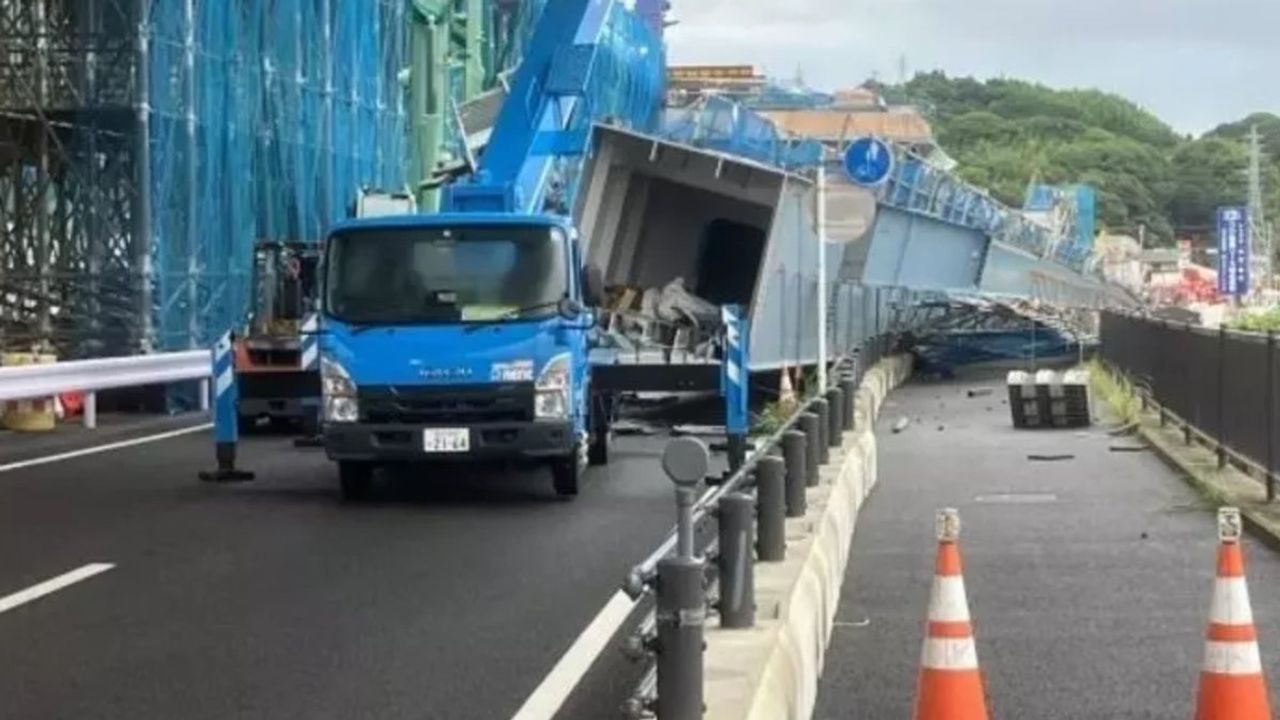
[(1260, 237), (822, 279)]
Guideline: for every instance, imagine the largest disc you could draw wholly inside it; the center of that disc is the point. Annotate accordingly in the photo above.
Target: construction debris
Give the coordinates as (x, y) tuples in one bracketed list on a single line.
[(671, 318), (980, 392), (633, 427), (1051, 458), (1127, 429), (698, 430), (901, 424)]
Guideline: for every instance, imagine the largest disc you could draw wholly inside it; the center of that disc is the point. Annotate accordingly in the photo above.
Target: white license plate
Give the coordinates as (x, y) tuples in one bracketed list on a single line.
[(446, 440)]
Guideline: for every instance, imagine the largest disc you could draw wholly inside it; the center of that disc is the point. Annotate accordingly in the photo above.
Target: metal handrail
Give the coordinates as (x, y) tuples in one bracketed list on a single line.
[(639, 579), (20, 382)]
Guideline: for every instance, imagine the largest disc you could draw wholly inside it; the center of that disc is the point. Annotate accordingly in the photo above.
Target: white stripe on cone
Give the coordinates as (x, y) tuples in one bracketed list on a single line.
[(949, 654), (947, 602), (1230, 604), (1232, 658)]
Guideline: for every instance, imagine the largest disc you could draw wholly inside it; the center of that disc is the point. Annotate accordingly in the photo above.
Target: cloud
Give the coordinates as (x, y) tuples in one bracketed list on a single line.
[(1193, 62)]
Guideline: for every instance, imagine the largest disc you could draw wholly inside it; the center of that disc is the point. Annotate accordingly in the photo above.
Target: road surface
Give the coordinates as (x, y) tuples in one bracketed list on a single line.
[(453, 596), (1088, 579)]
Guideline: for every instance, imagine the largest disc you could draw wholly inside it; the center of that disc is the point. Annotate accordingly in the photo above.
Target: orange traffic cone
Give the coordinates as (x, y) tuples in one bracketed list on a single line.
[(1231, 683), (950, 686)]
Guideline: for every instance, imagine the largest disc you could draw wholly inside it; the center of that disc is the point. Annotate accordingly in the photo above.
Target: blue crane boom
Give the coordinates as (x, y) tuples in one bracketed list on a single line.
[(587, 60)]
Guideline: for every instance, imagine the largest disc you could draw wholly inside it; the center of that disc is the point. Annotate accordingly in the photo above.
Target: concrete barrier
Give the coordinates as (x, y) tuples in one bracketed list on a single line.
[(771, 671)]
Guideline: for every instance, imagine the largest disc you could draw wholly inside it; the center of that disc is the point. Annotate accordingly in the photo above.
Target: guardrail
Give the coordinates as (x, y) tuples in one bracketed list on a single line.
[(1219, 384), (750, 508), (23, 382)]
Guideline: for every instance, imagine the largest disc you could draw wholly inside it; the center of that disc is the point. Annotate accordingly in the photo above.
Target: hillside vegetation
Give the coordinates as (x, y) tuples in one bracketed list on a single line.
[(1004, 133)]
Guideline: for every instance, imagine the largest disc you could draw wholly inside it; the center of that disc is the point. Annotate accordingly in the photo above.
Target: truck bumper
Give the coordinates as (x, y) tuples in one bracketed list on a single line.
[(283, 408), (367, 442)]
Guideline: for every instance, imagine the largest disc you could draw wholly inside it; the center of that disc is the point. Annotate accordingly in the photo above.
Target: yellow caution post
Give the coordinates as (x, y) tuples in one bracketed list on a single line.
[(34, 415)]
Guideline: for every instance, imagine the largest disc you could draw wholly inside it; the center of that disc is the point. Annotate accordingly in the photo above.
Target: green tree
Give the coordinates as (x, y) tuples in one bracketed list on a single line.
[(1008, 133), (1207, 173)]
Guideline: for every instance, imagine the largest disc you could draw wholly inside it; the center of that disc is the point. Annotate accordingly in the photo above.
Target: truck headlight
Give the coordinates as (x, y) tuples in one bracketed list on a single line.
[(339, 393), (551, 398)]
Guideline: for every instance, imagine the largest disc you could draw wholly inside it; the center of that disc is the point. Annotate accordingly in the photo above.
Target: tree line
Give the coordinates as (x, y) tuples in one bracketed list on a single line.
[(1007, 133)]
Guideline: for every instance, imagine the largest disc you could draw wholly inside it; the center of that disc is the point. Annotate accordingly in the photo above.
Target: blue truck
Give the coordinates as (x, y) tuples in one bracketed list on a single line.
[(457, 335)]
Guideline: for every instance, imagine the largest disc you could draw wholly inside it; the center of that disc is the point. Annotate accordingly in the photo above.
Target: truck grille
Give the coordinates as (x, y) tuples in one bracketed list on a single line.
[(457, 404)]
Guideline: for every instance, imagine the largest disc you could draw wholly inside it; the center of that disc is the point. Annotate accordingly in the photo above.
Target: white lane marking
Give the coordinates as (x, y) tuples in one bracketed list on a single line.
[(547, 698), (35, 592), (103, 448)]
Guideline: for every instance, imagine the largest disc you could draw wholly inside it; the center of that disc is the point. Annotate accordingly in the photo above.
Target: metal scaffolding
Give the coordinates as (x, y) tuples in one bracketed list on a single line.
[(146, 144)]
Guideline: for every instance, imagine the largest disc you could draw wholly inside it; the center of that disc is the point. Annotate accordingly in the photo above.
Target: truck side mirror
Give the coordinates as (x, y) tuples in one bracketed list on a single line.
[(569, 309), (592, 286)]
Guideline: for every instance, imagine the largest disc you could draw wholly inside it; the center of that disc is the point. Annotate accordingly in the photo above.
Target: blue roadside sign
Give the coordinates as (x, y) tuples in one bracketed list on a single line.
[(1233, 251), (868, 161)]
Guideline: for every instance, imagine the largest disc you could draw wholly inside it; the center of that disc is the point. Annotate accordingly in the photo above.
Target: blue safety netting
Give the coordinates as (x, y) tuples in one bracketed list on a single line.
[(628, 83), (717, 123), (919, 186), (625, 88), (265, 117)]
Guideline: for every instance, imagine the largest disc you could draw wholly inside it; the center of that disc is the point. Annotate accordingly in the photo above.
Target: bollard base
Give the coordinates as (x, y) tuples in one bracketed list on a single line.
[(226, 475), (680, 615), (227, 471), (737, 446)]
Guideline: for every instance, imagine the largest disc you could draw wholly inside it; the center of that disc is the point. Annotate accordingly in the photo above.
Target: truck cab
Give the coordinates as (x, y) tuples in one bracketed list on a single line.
[(456, 336)]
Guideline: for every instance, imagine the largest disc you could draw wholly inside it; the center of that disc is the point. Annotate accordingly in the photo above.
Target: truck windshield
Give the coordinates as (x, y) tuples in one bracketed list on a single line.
[(445, 275)]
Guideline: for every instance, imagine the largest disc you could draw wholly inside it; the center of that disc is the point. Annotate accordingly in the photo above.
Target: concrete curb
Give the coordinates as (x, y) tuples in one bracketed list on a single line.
[(1198, 466), (771, 671), (1221, 487)]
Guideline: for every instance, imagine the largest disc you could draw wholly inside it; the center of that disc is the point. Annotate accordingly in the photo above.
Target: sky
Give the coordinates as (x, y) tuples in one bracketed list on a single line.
[(1194, 63)]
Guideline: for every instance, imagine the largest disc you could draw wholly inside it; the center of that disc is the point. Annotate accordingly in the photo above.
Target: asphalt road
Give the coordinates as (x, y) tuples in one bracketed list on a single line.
[(450, 597), (1088, 579)]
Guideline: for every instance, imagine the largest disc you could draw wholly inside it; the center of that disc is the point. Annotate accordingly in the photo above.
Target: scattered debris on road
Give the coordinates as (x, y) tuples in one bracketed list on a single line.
[(980, 392), (900, 425), (633, 427), (1128, 447), (1038, 457), (698, 430), (1127, 429)]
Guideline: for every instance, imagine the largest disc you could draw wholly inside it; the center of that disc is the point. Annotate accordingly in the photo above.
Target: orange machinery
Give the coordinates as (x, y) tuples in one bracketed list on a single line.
[(276, 370)]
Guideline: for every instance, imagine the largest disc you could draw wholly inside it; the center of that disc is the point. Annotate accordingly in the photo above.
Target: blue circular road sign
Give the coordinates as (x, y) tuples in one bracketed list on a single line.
[(868, 161)]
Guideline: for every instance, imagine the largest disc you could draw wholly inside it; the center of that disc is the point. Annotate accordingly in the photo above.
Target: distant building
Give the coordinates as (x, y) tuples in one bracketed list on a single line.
[(832, 118), (736, 82), (835, 126), (859, 98)]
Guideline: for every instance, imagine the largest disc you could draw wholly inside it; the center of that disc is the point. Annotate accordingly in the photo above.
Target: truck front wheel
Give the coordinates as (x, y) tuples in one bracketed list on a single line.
[(356, 479), (602, 412), (566, 475)]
